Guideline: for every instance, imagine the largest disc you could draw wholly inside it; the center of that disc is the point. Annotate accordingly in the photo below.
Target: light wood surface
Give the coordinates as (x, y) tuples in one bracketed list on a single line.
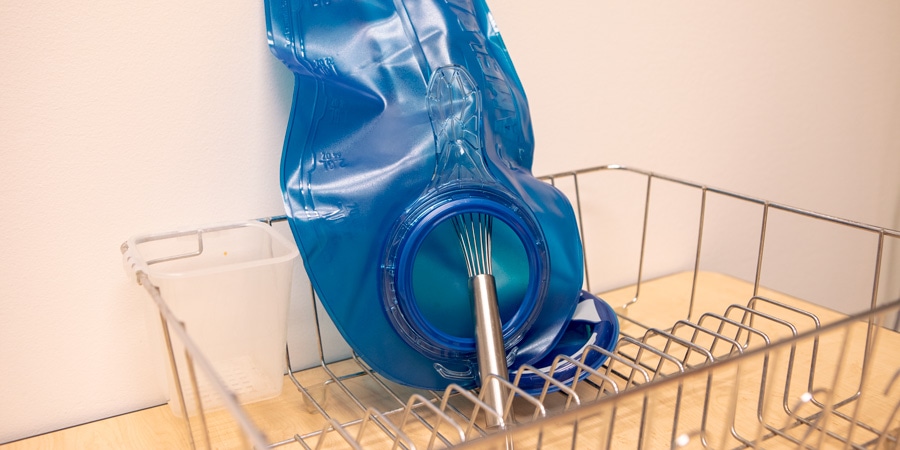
[(661, 304)]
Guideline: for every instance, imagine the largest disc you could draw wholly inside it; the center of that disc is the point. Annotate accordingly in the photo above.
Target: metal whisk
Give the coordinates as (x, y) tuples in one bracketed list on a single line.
[(474, 233)]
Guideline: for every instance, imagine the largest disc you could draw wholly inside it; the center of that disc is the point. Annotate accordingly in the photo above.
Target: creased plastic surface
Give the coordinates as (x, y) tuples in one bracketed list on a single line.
[(404, 114)]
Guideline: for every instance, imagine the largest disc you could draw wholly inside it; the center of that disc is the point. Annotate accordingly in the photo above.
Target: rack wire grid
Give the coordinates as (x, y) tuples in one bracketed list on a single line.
[(704, 358)]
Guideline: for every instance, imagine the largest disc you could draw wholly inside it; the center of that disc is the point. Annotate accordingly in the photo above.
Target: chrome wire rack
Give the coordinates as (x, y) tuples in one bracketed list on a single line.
[(704, 359)]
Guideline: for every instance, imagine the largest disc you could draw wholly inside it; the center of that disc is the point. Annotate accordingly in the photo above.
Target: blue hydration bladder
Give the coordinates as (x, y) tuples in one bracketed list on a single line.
[(407, 114)]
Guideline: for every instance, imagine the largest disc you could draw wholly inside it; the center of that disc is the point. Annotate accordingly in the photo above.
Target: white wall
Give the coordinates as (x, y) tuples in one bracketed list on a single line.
[(120, 118), (798, 102), (793, 102)]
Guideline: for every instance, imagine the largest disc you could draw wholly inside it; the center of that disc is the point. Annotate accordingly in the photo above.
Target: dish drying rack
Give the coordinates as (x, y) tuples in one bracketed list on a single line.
[(704, 359)]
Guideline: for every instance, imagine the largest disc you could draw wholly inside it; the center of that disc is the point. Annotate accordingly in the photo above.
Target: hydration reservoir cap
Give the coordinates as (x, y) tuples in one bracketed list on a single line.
[(590, 336), (425, 282)]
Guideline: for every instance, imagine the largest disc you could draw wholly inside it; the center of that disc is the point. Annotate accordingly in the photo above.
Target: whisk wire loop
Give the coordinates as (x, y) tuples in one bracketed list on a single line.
[(474, 233)]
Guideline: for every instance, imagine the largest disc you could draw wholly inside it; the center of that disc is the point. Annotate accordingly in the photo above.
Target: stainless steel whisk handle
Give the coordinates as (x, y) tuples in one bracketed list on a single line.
[(489, 345)]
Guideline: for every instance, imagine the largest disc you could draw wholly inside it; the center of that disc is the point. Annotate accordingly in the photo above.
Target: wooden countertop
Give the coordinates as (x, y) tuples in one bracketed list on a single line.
[(662, 303)]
